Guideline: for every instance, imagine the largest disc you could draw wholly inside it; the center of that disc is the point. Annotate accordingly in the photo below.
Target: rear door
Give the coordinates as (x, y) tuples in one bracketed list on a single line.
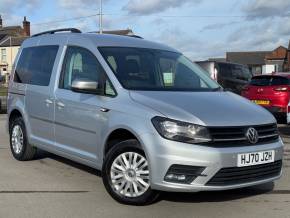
[(35, 68)]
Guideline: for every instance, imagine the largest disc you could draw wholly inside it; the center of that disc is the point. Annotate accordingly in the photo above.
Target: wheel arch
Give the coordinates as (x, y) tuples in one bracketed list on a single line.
[(13, 114), (118, 135)]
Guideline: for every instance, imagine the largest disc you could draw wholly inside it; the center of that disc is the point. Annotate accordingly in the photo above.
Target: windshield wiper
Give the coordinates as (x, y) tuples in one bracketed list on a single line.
[(217, 89)]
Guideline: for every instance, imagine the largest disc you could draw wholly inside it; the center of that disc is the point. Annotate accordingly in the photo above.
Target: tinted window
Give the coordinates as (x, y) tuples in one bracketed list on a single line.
[(225, 70), (152, 69), (35, 65), (240, 72), (80, 63), (269, 81)]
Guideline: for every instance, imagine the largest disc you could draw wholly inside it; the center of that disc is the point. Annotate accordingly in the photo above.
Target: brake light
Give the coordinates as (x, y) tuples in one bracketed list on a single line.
[(281, 89)]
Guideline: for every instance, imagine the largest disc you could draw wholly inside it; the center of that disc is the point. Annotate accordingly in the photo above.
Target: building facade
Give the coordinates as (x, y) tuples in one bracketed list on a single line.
[(11, 38), (262, 62)]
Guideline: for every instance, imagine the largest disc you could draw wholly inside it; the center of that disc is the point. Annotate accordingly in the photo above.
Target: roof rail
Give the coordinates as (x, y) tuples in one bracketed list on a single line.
[(72, 30)]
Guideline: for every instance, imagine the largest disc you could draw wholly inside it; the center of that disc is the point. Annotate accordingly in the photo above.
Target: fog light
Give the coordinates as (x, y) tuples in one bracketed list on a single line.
[(183, 174), (174, 177)]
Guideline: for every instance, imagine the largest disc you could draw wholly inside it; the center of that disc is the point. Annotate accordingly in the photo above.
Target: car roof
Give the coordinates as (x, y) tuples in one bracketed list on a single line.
[(220, 62), (105, 40), (281, 74)]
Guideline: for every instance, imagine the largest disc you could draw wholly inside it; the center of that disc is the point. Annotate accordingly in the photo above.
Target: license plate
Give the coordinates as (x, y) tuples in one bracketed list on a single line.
[(256, 158), (261, 102)]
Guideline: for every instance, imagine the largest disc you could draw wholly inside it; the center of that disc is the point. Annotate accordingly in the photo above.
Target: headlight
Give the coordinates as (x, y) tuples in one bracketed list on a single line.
[(181, 131)]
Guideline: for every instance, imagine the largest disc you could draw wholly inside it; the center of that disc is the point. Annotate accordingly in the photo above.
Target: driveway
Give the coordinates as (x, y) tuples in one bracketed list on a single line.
[(52, 186)]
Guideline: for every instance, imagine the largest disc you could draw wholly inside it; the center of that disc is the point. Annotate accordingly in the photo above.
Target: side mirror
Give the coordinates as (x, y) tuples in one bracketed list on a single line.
[(85, 86)]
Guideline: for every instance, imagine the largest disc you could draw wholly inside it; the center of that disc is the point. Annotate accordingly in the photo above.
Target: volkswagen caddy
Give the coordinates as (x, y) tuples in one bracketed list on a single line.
[(139, 111)]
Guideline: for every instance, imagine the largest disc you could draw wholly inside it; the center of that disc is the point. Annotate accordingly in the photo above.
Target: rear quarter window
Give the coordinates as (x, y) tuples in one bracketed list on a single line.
[(35, 65), (269, 81), (224, 70)]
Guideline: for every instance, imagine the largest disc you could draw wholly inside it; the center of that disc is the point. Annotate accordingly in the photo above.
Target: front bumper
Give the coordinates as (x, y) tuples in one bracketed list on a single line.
[(164, 153)]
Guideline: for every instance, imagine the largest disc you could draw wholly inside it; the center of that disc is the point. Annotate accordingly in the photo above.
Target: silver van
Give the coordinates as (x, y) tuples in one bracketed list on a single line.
[(142, 113)]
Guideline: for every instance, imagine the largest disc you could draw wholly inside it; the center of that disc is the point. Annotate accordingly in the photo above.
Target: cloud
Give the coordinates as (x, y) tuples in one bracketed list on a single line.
[(77, 4), (218, 26), (261, 35), (266, 8), (146, 7), (8, 6)]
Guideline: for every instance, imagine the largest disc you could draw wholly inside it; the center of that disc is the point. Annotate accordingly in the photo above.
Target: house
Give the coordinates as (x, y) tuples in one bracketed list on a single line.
[(11, 37), (261, 62), (254, 59), (277, 58), (287, 62)]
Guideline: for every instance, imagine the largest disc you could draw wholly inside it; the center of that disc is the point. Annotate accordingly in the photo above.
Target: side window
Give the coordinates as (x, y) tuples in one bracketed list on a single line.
[(35, 65), (80, 63), (225, 70)]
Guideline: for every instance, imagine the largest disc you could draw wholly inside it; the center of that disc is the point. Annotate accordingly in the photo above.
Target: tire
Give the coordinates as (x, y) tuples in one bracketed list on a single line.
[(20, 148), (131, 176)]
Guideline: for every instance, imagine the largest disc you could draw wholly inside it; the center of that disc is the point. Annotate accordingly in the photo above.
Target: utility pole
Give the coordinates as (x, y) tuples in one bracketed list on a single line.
[(101, 17)]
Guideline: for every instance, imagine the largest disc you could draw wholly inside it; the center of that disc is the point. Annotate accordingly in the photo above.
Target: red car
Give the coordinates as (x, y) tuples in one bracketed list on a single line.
[(271, 92)]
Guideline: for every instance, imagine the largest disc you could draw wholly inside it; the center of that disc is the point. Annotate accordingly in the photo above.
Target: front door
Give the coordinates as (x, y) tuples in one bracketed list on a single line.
[(78, 119)]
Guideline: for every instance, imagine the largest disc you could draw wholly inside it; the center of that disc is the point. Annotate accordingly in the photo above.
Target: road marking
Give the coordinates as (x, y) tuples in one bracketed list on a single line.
[(29, 192)]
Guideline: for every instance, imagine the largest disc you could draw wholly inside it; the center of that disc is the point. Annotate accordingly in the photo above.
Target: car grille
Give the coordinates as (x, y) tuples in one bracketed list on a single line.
[(240, 175), (235, 136)]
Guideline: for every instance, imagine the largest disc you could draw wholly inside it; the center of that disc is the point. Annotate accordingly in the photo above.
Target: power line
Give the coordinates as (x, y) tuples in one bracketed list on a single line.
[(135, 15), (64, 20)]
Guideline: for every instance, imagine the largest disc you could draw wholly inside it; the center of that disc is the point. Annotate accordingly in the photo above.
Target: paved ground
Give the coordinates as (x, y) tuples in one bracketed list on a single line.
[(55, 187)]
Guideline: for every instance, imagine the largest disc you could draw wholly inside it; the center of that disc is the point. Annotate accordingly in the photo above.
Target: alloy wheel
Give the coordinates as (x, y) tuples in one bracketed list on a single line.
[(130, 174)]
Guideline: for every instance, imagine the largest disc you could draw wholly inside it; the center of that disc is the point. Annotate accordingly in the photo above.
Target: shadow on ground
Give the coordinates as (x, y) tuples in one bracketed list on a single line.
[(284, 131), (43, 155), (199, 197), (219, 196)]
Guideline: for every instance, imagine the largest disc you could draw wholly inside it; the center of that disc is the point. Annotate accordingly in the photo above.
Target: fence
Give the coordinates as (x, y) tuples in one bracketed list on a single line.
[(3, 97)]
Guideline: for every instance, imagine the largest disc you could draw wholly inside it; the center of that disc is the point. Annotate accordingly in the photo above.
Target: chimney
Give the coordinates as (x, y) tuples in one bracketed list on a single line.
[(1, 24), (26, 27)]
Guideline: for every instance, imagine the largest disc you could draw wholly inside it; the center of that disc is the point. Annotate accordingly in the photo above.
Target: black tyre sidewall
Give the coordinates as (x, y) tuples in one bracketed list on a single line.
[(18, 121), (127, 146)]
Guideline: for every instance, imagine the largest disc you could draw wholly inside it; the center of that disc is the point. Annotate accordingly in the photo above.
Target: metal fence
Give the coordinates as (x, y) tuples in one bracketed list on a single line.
[(3, 97)]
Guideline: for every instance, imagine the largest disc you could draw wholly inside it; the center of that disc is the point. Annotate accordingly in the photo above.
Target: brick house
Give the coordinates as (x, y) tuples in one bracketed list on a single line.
[(261, 62), (287, 62), (11, 37), (278, 58)]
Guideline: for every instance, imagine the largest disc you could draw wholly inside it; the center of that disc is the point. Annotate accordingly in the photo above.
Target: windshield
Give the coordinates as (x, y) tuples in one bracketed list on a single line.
[(158, 70), (269, 81)]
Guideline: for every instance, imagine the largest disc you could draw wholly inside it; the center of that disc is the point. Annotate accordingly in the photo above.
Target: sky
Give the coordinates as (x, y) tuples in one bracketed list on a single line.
[(201, 29)]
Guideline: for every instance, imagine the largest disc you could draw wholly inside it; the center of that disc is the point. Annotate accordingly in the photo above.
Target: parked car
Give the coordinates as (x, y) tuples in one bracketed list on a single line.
[(141, 112), (231, 76), (271, 92)]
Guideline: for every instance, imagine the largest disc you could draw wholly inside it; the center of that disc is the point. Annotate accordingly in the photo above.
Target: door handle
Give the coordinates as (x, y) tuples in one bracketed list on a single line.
[(104, 109), (60, 104), (48, 101)]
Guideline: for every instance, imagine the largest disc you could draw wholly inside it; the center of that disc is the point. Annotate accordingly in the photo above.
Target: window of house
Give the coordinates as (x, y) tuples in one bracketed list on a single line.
[(3, 55)]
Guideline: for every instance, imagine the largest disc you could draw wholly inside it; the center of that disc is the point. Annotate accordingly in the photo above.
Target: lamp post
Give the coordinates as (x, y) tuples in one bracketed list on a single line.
[(101, 17)]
